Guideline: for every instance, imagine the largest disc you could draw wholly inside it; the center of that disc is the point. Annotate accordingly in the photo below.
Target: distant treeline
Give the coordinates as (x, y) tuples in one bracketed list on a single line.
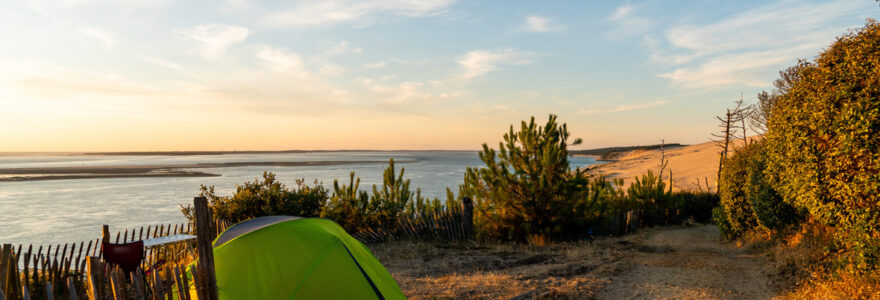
[(611, 153)]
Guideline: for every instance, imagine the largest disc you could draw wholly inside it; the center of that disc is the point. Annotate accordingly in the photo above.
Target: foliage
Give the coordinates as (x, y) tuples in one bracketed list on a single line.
[(265, 198), (356, 210), (748, 200), (694, 204), (527, 190), (719, 218), (770, 209), (822, 142), (738, 212), (349, 205), (649, 190)]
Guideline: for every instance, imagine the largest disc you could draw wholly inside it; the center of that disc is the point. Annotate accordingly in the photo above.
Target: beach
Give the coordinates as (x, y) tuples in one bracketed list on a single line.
[(688, 165)]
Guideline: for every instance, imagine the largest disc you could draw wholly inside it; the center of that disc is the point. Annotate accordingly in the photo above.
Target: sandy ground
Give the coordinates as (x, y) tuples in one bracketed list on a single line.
[(662, 263), (689, 263), (688, 164)]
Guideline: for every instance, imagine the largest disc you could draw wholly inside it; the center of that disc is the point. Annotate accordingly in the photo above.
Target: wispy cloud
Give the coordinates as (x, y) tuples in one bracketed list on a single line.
[(407, 92), (343, 47), (213, 39), (237, 5), (749, 47), (282, 60), (620, 108), (162, 63), (104, 36), (628, 21), (540, 24), (375, 65), (479, 62), (322, 13)]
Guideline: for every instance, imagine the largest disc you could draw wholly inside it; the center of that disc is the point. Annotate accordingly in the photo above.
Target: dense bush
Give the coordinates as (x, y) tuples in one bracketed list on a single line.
[(748, 201), (265, 198), (527, 190), (352, 208), (357, 210), (822, 142), (771, 211), (697, 205), (647, 191)]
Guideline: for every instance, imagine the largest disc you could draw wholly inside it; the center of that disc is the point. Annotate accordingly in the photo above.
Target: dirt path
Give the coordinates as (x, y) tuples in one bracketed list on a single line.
[(687, 263)]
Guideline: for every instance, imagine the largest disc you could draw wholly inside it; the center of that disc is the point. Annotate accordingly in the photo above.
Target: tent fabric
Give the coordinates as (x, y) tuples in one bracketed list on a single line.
[(298, 258), (248, 226)]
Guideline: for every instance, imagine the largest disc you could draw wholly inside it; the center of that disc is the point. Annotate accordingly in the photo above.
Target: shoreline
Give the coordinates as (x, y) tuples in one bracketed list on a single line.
[(91, 172)]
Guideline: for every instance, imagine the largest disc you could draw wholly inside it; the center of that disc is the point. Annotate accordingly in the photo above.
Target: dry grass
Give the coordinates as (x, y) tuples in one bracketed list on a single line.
[(804, 265), (559, 270), (843, 285)]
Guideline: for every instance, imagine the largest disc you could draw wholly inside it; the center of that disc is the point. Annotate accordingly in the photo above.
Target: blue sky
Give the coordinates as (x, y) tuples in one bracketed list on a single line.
[(101, 75)]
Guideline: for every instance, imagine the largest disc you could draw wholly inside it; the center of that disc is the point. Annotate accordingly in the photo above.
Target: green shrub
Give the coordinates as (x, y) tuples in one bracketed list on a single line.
[(349, 206), (719, 218), (698, 205), (823, 145), (265, 198), (770, 209), (649, 190), (356, 210), (738, 212), (527, 191)]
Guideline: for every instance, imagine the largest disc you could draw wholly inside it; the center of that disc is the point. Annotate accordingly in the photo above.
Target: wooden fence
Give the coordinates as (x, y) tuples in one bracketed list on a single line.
[(447, 224), (72, 271), (628, 222)]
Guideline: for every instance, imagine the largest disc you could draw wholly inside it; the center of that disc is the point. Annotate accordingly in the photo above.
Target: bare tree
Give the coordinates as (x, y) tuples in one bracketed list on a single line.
[(663, 163), (760, 113), (743, 113), (728, 133)]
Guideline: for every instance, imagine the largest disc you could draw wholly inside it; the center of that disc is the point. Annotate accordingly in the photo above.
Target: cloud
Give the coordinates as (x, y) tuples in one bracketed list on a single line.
[(375, 65), (750, 68), (330, 12), (106, 37), (407, 92), (479, 62), (213, 39), (620, 108), (236, 5), (339, 48), (628, 21), (749, 47), (281, 60), (540, 24), (162, 63), (622, 12)]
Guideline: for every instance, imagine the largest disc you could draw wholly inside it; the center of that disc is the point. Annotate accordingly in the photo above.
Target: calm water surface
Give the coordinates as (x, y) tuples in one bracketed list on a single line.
[(61, 211)]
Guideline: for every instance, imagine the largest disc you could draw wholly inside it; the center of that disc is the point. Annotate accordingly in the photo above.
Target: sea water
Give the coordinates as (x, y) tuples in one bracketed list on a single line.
[(72, 210)]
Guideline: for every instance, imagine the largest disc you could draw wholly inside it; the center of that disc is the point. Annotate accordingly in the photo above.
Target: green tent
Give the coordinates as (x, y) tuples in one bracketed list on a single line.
[(283, 257)]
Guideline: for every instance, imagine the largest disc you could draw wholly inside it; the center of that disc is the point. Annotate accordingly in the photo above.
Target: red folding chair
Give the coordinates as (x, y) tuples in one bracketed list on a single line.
[(126, 256)]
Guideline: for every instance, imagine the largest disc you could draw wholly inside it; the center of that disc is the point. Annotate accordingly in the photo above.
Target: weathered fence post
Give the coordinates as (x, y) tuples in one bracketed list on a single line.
[(105, 234), (6, 265), (467, 211), (94, 277), (206, 251)]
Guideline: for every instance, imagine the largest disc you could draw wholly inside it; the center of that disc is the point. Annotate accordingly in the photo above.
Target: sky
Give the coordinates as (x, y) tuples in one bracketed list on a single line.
[(164, 75)]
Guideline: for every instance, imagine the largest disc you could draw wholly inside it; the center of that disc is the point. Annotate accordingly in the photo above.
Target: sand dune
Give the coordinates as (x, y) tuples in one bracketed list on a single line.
[(687, 164)]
